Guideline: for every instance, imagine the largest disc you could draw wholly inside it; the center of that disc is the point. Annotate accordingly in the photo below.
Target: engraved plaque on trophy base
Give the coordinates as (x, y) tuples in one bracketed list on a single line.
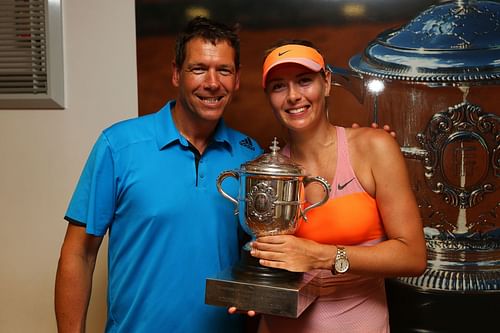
[(268, 291), (287, 299)]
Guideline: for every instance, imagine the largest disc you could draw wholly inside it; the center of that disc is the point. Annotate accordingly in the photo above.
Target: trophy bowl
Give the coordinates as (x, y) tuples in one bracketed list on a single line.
[(271, 194)]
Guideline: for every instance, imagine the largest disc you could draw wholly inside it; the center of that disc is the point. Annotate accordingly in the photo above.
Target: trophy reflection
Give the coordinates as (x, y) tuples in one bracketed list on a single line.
[(270, 202)]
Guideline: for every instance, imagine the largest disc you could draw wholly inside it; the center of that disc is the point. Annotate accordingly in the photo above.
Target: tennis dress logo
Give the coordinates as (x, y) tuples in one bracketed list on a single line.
[(340, 187), (246, 142)]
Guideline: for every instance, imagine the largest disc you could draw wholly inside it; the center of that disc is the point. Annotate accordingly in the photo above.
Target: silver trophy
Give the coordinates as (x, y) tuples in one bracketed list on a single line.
[(270, 202)]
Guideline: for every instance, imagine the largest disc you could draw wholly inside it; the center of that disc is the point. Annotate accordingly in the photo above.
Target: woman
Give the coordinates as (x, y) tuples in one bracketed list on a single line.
[(368, 230)]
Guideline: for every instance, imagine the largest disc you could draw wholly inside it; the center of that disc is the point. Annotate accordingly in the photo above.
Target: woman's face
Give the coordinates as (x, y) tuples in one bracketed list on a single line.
[(297, 96)]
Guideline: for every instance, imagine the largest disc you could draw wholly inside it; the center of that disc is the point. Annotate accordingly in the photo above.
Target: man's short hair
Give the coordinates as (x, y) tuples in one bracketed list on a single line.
[(208, 30)]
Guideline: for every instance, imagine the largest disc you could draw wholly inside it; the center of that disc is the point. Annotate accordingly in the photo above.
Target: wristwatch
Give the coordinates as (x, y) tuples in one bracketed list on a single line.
[(341, 264)]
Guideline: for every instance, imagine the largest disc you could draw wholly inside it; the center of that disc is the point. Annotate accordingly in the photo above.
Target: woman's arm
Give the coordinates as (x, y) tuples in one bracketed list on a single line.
[(404, 252)]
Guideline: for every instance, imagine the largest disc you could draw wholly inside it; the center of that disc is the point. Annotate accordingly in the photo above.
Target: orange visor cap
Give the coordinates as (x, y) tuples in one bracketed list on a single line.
[(293, 53)]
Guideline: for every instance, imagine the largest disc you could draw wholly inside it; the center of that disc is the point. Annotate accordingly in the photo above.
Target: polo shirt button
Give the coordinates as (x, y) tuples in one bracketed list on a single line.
[(202, 176)]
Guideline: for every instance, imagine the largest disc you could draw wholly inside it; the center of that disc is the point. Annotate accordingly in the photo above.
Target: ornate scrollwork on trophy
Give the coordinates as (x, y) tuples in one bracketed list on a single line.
[(437, 218), (487, 219), (445, 270), (462, 145), (261, 202)]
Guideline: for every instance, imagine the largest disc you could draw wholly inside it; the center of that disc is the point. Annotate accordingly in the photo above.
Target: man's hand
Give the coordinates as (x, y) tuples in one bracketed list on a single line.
[(233, 310), (386, 128)]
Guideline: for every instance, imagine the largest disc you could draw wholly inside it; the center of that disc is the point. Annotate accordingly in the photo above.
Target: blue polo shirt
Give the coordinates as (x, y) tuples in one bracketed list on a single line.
[(169, 228)]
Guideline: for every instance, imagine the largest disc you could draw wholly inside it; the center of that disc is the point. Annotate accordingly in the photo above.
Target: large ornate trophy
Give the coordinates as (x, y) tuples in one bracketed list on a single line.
[(270, 202), (441, 73)]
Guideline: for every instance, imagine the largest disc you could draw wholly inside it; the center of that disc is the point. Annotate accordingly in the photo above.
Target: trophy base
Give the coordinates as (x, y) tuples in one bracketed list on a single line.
[(264, 290)]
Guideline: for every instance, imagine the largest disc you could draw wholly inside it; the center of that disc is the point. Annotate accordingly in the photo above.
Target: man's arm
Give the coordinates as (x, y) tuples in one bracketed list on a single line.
[(74, 278)]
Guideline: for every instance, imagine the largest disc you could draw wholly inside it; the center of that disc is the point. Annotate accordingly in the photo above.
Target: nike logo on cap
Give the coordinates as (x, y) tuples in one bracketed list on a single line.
[(281, 53), (341, 187)]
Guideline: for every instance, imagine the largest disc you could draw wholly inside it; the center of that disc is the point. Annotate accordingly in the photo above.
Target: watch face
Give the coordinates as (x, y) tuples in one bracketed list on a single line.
[(341, 265)]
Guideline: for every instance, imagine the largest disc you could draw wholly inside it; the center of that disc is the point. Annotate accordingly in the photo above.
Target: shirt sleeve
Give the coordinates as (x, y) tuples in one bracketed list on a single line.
[(94, 199)]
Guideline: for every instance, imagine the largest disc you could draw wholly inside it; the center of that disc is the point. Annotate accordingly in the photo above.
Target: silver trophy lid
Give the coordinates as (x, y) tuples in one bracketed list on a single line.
[(456, 41), (273, 164)]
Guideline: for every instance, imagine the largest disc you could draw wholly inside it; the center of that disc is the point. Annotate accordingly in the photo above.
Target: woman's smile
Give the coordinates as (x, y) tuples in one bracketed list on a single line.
[(296, 110)]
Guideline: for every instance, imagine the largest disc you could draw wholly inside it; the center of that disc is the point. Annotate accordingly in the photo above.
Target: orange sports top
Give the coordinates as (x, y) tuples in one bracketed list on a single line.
[(350, 216)]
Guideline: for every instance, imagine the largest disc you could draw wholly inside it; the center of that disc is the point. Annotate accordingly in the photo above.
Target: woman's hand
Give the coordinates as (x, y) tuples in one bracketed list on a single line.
[(292, 253)]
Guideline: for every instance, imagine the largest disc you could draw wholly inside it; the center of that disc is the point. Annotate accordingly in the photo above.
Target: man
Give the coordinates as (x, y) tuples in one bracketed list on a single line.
[(150, 183)]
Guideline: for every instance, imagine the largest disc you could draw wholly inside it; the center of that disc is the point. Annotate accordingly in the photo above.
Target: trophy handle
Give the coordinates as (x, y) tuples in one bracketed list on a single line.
[(326, 187), (220, 179)]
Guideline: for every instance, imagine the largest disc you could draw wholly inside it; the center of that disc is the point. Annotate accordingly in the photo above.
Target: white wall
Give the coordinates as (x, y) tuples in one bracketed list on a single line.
[(41, 156)]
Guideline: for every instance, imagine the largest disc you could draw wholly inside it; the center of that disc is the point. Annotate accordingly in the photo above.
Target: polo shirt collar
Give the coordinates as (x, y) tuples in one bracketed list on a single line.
[(167, 133)]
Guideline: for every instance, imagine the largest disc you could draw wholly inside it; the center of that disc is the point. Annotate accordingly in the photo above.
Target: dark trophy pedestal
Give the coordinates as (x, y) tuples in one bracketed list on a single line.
[(250, 286), (419, 311)]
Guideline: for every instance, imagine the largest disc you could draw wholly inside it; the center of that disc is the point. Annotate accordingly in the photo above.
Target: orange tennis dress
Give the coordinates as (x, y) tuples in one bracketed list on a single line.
[(348, 303)]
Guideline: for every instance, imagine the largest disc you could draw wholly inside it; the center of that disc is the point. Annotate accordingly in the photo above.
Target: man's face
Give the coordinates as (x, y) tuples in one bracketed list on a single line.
[(207, 79)]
